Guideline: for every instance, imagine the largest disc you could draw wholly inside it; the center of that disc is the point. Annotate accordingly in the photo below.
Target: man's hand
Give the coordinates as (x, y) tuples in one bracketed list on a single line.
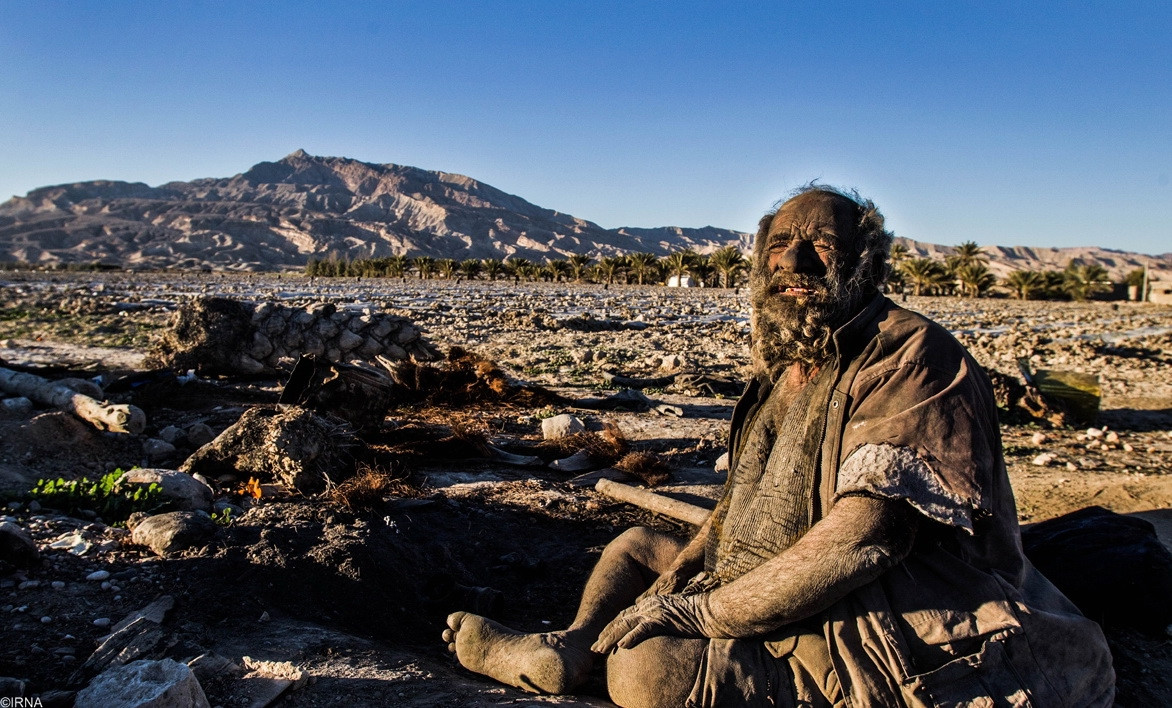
[(672, 615), (670, 582)]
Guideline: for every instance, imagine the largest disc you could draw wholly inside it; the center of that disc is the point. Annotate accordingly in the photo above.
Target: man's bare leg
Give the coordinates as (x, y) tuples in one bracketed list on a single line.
[(556, 662), (656, 673)]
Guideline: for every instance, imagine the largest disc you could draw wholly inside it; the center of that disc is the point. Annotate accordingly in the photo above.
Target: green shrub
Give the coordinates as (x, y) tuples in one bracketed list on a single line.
[(105, 497)]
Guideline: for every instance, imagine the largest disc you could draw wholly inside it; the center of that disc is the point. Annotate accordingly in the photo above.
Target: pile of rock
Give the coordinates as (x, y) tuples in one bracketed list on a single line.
[(225, 336)]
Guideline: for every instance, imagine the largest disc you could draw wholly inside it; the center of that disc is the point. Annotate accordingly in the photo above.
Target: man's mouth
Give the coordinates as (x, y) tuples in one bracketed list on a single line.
[(796, 291)]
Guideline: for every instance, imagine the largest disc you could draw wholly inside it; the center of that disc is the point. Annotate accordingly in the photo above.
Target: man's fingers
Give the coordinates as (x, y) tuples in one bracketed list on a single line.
[(613, 632), (642, 630)]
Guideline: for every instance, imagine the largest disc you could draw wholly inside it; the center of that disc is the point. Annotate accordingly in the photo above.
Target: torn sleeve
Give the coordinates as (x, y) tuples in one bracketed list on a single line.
[(896, 472)]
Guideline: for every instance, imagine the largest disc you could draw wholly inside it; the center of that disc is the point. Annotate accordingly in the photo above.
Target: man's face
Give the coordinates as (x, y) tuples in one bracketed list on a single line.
[(800, 281), (806, 241)]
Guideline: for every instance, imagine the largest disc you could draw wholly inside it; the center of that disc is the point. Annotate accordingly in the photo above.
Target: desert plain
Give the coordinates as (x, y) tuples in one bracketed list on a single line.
[(354, 598)]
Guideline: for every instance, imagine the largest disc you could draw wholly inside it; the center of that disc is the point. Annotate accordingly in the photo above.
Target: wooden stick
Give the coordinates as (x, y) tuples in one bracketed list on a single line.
[(676, 509), (104, 416)]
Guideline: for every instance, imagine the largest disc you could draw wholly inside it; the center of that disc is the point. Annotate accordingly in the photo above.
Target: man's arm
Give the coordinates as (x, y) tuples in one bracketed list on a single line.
[(687, 564), (859, 539)]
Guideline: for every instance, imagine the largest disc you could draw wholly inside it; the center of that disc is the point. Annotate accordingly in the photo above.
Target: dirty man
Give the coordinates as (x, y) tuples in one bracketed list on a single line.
[(865, 551)]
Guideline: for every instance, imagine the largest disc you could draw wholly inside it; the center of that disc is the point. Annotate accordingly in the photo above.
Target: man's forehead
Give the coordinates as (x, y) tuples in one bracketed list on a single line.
[(817, 209)]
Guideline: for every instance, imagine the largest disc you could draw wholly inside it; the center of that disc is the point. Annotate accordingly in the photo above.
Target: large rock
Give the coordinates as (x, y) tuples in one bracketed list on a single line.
[(144, 684), (175, 531), (17, 547), (187, 493), (290, 445)]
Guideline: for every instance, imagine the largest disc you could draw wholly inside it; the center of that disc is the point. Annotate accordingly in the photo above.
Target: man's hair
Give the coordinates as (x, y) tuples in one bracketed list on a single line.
[(874, 240)]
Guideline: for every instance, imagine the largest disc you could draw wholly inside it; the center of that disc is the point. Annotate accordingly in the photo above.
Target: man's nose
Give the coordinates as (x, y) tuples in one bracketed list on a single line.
[(800, 257)]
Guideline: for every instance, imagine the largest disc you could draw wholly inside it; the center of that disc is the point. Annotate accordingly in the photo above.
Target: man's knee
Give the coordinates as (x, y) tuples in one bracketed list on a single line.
[(658, 672), (648, 546)]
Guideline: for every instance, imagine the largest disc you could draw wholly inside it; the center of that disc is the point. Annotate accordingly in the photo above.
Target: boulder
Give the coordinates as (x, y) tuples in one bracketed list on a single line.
[(559, 426), (188, 493), (17, 547), (175, 531), (144, 684)]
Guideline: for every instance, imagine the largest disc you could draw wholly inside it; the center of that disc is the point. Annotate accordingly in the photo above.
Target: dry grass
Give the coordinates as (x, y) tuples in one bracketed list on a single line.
[(645, 466), (605, 446), (466, 379), (370, 487)]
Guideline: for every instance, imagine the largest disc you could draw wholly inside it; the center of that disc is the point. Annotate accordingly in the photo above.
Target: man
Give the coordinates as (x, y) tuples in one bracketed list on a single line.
[(866, 549)]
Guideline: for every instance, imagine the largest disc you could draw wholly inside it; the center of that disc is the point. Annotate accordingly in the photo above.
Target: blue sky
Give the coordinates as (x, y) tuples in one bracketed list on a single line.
[(1040, 124)]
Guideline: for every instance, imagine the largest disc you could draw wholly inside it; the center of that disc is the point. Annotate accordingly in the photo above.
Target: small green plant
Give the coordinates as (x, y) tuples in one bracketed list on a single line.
[(223, 518), (105, 497)]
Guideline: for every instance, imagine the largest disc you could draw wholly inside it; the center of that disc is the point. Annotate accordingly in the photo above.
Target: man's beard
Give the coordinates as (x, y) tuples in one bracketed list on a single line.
[(786, 331)]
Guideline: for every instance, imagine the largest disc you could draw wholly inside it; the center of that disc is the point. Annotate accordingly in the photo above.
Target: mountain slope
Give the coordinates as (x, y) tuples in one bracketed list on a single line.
[(279, 214)]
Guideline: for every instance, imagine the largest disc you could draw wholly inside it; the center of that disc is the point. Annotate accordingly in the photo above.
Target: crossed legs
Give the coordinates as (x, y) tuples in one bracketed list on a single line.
[(557, 662)]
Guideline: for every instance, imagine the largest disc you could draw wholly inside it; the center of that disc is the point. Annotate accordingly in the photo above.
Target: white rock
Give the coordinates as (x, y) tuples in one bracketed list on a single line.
[(721, 463), (1093, 433), (144, 684), (186, 491), (98, 575), (1038, 438), (1111, 437), (1043, 459), (559, 426), (103, 622), (671, 362), (577, 462)]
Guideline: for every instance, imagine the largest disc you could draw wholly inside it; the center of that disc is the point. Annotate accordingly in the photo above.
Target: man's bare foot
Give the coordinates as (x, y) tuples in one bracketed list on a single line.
[(550, 662)]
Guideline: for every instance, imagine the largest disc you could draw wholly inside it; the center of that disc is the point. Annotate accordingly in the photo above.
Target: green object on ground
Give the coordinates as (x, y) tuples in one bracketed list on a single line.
[(1079, 393)]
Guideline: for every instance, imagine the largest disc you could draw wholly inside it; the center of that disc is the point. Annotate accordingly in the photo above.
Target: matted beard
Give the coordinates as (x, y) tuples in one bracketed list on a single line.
[(786, 332)]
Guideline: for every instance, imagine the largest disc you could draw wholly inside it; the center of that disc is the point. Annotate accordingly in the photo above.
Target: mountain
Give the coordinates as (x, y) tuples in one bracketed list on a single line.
[(277, 215)]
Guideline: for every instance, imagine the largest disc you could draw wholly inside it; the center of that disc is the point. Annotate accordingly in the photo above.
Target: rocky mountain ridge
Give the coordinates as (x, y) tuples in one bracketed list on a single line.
[(279, 214)]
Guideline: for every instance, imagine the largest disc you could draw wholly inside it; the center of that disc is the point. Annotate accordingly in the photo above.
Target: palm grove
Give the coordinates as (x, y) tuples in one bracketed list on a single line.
[(964, 273)]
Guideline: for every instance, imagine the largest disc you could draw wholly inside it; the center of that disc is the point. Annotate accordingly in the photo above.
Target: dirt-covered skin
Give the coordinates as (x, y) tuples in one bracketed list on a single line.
[(530, 536)]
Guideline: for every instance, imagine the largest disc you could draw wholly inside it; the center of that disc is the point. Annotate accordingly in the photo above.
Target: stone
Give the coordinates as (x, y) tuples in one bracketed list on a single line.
[(261, 346), (157, 450), (188, 493), (19, 406), (348, 341), (671, 362), (173, 532), (171, 434), (1043, 459), (559, 426), (247, 365), (17, 547), (165, 683), (98, 575), (1038, 438), (200, 434)]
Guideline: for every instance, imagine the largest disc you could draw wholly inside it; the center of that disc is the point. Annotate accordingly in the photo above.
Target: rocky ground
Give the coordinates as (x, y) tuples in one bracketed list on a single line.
[(353, 596)]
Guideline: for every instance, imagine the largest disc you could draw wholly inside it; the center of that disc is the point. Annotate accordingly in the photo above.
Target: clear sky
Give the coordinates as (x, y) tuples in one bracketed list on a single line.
[(1008, 123)]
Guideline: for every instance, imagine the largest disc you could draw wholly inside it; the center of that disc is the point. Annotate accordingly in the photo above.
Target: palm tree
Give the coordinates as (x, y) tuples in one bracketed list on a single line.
[(975, 278), (396, 266), (1026, 284), (898, 254), (1082, 282), (493, 268), (518, 268), (423, 265), (643, 265), (446, 267), (610, 267), (680, 263), (558, 269), (729, 262), (923, 273), (579, 264), (969, 252), (470, 268)]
